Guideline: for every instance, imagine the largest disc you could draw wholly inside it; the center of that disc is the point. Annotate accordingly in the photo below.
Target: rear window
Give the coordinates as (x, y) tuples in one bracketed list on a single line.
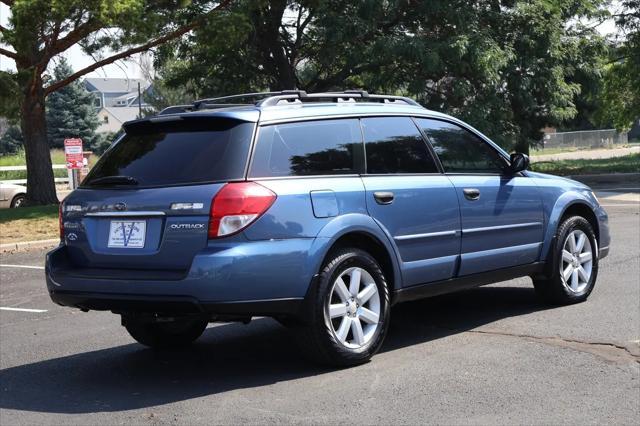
[(327, 147), (174, 153)]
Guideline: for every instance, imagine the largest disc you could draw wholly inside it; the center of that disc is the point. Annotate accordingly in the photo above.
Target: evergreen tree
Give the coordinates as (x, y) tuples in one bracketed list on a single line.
[(71, 111), (11, 140)]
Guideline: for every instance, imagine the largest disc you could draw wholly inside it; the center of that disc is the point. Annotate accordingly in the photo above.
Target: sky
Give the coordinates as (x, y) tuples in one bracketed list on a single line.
[(78, 60), (131, 69)]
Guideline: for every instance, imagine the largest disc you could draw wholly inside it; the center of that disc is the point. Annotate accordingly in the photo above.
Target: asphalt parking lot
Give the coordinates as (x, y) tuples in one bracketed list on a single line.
[(489, 355)]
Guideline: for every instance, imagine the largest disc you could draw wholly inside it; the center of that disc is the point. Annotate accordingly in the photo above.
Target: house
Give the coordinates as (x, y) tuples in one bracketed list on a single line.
[(112, 118), (121, 92), (117, 100)]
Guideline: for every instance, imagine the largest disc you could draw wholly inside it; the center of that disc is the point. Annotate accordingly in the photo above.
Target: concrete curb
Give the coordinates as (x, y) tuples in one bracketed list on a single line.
[(608, 179), (25, 245)]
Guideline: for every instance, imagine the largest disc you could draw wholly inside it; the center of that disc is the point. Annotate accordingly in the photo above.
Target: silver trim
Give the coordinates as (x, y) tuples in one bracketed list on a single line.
[(125, 214), (497, 228), (426, 235)]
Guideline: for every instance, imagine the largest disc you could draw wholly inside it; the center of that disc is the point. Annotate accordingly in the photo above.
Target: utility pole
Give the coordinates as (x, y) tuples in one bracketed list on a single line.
[(139, 102)]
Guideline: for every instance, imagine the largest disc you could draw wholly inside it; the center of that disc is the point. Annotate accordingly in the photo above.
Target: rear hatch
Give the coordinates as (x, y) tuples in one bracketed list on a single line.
[(145, 204)]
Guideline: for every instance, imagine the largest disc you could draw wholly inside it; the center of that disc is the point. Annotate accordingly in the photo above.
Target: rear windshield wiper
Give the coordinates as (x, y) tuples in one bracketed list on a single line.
[(114, 180)]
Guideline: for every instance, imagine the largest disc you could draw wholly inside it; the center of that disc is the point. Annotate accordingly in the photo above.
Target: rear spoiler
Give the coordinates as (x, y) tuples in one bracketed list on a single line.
[(248, 115)]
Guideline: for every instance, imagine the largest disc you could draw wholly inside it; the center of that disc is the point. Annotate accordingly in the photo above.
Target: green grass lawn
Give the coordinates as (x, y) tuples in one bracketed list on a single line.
[(28, 224), (627, 164), (57, 157)]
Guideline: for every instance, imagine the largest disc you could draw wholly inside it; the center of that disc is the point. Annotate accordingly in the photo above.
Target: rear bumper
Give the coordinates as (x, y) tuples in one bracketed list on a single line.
[(174, 304), (254, 278)]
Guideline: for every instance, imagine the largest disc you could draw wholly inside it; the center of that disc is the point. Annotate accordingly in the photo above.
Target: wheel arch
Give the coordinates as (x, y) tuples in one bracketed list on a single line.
[(372, 245), (19, 194), (565, 208), (359, 231), (585, 211)]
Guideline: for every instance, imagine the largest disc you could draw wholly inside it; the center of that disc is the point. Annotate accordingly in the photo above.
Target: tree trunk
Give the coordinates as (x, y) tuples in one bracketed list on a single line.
[(270, 43), (41, 189), (521, 146)]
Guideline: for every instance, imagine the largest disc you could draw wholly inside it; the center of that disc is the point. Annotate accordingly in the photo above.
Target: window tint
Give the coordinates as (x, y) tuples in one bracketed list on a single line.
[(190, 151), (395, 145), (459, 150), (327, 147)]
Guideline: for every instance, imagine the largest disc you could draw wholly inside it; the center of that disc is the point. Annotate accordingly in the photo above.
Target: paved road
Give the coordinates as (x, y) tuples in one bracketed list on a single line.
[(489, 355), (590, 154)]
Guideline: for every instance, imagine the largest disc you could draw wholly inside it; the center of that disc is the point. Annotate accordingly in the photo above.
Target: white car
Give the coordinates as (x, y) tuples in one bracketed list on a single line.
[(11, 195)]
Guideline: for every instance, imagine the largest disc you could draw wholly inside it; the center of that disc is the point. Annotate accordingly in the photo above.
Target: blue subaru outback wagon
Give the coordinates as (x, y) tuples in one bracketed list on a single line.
[(320, 210)]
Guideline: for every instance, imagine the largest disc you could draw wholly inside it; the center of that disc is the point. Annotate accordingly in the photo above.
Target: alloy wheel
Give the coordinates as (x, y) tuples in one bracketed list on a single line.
[(577, 261), (353, 308)]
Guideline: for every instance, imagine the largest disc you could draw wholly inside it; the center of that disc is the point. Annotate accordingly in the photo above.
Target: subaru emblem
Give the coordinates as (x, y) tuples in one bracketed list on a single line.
[(120, 206)]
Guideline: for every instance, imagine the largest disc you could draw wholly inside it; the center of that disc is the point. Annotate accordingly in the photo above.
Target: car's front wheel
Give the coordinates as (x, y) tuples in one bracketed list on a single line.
[(348, 310), (179, 332), (573, 266)]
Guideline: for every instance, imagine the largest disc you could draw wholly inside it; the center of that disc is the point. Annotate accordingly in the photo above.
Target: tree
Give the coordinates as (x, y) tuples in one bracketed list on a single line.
[(40, 30), (11, 141), (620, 101), (70, 111), (506, 67)]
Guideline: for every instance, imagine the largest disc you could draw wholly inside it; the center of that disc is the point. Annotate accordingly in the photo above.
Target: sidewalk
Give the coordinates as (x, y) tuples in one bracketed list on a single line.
[(587, 154)]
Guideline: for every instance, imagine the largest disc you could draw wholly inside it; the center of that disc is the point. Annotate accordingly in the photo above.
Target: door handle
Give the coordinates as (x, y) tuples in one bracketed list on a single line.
[(471, 194), (383, 197)]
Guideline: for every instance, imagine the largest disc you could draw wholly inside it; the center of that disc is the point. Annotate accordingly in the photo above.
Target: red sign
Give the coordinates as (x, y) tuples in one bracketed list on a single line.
[(73, 153)]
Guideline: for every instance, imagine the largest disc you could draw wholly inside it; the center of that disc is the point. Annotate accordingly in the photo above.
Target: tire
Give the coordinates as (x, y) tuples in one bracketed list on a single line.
[(322, 337), (18, 201), (554, 287), (161, 335)]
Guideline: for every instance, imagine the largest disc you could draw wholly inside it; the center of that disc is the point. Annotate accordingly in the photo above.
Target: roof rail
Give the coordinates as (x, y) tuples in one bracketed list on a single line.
[(346, 96), (176, 109), (285, 97), (222, 100)]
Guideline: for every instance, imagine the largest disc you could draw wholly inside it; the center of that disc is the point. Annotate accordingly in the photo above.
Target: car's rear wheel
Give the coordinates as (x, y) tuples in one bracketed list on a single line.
[(348, 310), (573, 267), (18, 201), (179, 332)]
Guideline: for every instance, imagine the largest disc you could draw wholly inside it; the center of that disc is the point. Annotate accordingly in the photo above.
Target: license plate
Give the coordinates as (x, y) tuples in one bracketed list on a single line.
[(127, 233)]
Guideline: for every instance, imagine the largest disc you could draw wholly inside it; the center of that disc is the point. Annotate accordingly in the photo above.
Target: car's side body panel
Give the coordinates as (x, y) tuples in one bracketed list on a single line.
[(503, 227), (293, 216), (423, 221)]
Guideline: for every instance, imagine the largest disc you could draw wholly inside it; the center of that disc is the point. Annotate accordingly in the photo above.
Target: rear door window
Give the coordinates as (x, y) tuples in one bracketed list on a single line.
[(323, 147), (174, 153), (394, 145)]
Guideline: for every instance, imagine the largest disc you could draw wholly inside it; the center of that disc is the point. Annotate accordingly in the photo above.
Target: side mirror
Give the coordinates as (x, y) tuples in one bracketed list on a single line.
[(519, 162)]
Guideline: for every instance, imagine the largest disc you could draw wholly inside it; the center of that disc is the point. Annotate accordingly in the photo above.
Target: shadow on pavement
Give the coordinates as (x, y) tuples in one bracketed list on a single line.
[(228, 357)]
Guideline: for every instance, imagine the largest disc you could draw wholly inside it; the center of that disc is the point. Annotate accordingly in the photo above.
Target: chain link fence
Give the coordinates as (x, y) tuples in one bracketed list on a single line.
[(606, 138)]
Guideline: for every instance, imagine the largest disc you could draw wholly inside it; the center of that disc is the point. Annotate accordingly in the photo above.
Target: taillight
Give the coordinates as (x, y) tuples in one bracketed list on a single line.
[(236, 206), (60, 223)]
